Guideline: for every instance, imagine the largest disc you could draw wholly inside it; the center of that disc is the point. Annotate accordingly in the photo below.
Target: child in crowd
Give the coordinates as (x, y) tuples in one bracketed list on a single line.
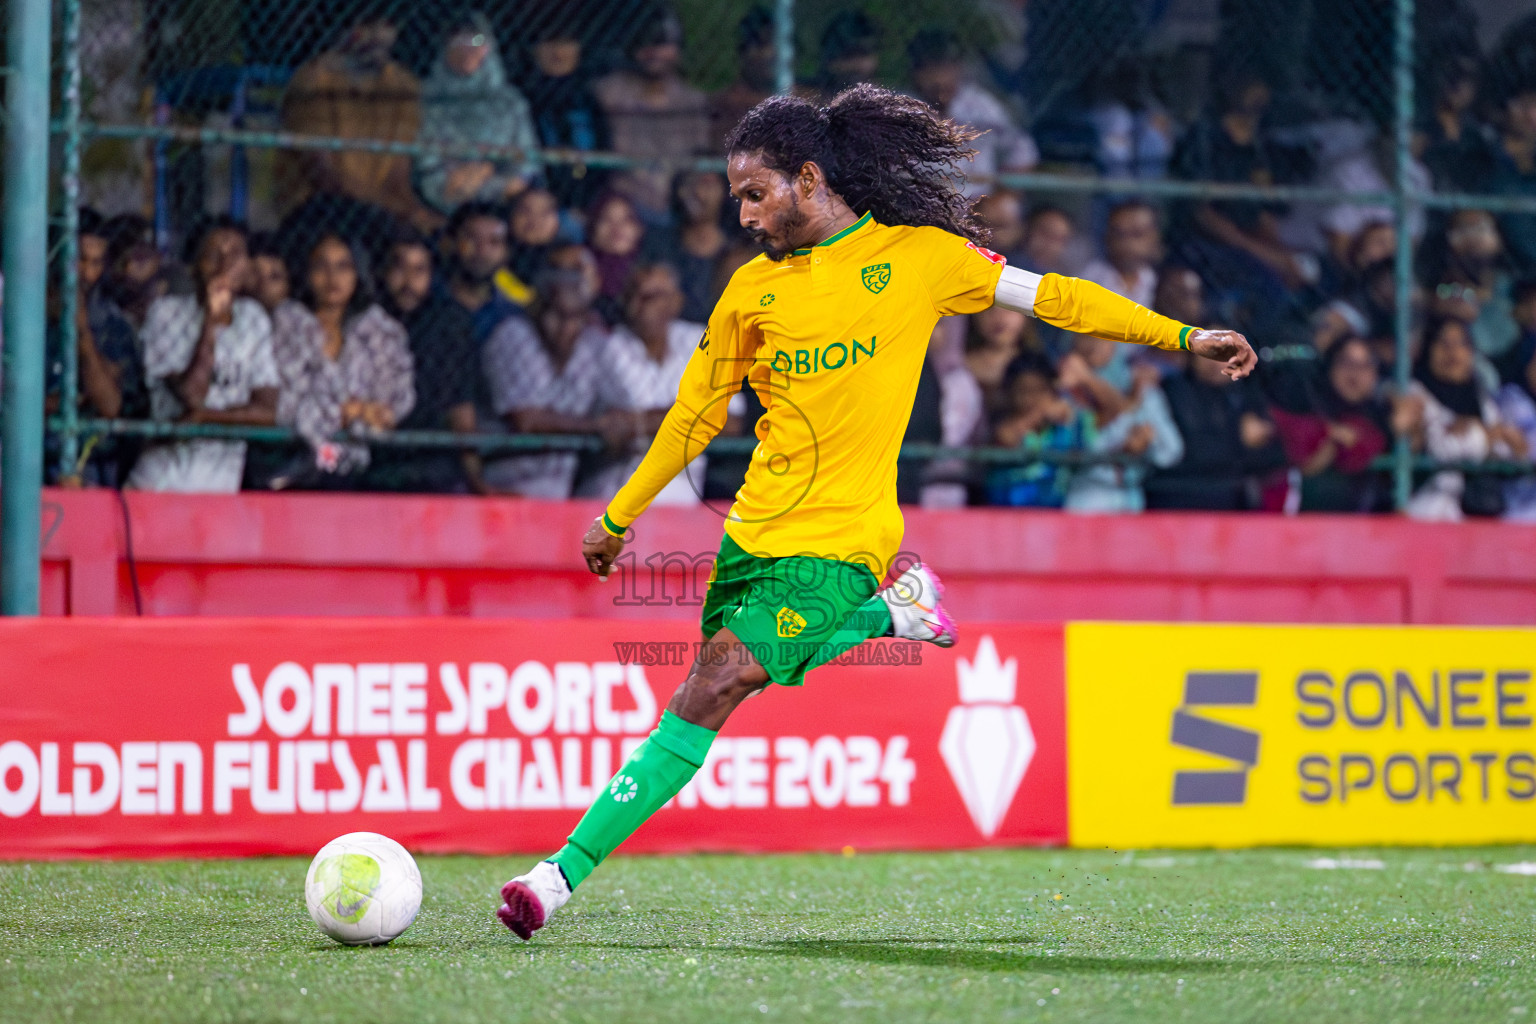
[(1038, 420)]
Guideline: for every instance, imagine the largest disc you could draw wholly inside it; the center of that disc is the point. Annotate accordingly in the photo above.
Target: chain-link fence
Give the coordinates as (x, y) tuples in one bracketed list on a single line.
[(368, 193)]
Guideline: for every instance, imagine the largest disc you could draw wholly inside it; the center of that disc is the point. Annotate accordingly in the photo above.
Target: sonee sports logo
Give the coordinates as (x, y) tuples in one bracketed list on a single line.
[(1215, 689), (623, 789)]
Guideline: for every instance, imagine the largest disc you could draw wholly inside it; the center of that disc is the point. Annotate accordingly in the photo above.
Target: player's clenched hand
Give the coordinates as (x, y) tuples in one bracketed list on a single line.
[(600, 548), (1226, 347)]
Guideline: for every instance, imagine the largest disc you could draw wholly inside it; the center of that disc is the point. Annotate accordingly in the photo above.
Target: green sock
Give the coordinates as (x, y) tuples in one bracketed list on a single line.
[(870, 619), (654, 773)]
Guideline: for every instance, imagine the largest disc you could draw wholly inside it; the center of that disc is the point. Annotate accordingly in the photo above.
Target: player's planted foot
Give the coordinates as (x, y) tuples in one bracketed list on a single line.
[(532, 899), (917, 610)]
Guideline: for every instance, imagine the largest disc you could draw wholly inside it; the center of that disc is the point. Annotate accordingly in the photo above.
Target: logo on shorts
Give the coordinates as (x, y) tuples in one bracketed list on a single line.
[(876, 277), (790, 622)]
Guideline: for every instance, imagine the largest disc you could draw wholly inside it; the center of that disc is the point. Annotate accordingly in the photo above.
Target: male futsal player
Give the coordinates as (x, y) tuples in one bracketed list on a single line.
[(866, 243)]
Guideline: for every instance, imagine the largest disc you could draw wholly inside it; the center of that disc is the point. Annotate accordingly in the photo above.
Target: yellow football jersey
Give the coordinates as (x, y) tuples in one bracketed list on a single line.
[(832, 339)]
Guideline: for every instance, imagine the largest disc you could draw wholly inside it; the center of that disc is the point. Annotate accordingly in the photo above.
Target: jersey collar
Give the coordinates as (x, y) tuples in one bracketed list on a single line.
[(850, 229)]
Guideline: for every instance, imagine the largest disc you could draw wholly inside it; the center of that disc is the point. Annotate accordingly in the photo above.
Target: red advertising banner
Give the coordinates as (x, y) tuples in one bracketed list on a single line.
[(231, 737)]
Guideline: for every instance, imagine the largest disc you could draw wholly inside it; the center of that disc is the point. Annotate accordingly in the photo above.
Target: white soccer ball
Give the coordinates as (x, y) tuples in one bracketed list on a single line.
[(363, 889)]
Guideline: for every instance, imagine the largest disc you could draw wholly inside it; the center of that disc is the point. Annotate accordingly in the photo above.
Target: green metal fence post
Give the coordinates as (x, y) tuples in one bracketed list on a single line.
[(26, 290), (784, 46), (1402, 201), (69, 284)]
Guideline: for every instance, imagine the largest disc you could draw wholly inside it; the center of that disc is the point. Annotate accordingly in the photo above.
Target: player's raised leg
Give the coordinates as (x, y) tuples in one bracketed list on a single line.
[(722, 676)]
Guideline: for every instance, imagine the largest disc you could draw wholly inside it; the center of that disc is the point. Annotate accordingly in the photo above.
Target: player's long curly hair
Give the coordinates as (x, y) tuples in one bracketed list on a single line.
[(884, 153)]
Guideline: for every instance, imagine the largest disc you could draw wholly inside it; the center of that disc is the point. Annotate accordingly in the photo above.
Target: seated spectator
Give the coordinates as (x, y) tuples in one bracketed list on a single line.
[(1517, 398), (1133, 246), (1366, 310), (533, 227), (1002, 211), (208, 359), (614, 234), (697, 240), (995, 337), (466, 101), (1371, 167), (757, 61), (134, 275), (345, 365), (642, 367), (1039, 420), (1470, 271), (653, 115), (558, 89), (1134, 134), (1180, 294), (109, 377), (356, 91), (476, 242), (938, 79), (1457, 148), (446, 376), (1130, 417), (1346, 426), (545, 373), (1459, 422), (850, 54), (1048, 235), (1231, 453), (1235, 244), (269, 283), (1513, 173)]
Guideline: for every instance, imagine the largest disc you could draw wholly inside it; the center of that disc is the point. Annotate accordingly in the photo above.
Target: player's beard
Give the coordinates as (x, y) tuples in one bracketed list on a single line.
[(790, 224)]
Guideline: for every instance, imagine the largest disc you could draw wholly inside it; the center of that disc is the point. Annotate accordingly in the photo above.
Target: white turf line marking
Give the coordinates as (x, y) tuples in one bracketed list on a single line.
[(1524, 867), (1329, 864)]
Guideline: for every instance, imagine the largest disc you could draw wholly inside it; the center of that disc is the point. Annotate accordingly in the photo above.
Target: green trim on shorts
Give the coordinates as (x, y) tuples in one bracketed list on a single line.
[(784, 609)]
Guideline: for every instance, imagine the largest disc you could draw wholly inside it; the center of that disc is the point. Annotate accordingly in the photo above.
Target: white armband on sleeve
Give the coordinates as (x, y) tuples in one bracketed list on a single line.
[(1016, 290)]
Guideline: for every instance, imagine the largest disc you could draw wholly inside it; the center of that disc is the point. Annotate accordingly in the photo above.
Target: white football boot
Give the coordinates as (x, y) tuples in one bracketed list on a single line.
[(532, 899), (915, 601)]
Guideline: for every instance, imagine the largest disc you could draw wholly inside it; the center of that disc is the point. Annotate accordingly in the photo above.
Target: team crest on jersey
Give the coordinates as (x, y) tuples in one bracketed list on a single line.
[(877, 277), (790, 622)]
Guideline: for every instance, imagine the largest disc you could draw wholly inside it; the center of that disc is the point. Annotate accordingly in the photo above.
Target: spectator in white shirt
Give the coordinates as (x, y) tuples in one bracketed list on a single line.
[(1133, 247), (208, 359), (545, 374), (938, 79), (644, 363)]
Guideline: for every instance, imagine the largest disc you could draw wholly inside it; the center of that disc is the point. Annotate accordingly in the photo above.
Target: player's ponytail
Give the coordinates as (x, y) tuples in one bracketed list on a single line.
[(884, 153)]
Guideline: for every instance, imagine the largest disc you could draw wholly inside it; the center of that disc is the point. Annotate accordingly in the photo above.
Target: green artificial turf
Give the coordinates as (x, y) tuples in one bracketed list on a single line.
[(1426, 935)]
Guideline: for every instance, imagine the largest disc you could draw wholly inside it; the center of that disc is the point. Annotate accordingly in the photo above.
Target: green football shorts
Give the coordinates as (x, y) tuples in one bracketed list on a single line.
[(793, 612)]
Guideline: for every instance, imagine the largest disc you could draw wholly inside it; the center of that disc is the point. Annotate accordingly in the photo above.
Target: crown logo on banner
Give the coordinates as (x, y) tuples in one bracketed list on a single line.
[(987, 743), (988, 679)]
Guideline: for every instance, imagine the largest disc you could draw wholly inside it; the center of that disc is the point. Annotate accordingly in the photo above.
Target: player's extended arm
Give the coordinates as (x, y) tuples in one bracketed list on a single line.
[(687, 428), (1087, 308)]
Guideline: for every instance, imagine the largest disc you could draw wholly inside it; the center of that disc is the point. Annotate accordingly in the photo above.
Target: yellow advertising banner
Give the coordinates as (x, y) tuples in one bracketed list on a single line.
[(1204, 735)]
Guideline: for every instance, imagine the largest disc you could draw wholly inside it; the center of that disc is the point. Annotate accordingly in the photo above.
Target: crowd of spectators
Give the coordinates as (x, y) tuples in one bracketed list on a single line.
[(502, 294)]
